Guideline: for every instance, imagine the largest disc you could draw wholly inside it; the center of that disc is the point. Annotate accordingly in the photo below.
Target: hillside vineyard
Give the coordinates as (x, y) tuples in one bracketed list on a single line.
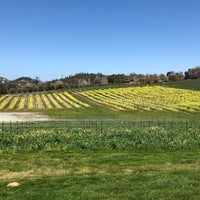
[(55, 100), (147, 98)]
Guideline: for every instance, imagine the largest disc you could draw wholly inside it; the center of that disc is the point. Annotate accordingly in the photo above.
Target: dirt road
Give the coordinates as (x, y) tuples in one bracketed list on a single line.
[(21, 116)]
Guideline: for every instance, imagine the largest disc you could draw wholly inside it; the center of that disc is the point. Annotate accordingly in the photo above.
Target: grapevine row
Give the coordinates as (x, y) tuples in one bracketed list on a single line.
[(149, 98), (56, 100)]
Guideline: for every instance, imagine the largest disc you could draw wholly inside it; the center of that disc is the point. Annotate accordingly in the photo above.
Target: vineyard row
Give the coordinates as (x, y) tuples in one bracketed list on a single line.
[(147, 98), (56, 100)]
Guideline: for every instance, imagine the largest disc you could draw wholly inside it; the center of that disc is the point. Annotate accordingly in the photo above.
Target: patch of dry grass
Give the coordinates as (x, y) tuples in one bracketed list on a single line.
[(100, 169)]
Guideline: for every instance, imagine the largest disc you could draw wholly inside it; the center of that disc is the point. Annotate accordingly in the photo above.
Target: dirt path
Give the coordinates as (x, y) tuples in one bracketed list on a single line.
[(21, 116)]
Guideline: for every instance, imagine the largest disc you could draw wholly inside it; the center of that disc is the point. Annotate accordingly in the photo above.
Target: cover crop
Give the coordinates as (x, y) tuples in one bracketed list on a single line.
[(149, 98), (56, 100)]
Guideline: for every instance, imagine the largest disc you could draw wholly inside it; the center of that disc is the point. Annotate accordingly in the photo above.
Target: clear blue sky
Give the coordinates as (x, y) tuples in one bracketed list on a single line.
[(50, 38)]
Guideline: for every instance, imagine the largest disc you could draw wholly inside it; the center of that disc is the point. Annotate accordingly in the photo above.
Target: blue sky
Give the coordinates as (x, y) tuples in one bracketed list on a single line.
[(54, 38)]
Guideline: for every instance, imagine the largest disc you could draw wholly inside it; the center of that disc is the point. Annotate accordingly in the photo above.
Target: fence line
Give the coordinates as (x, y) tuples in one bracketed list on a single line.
[(82, 132), (17, 127)]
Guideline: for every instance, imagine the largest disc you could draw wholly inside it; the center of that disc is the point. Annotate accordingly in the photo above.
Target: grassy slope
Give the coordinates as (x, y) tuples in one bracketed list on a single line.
[(100, 174), (102, 113), (193, 84)]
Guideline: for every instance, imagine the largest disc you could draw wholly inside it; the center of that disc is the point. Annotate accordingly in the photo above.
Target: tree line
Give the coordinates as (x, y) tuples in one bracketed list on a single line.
[(27, 84)]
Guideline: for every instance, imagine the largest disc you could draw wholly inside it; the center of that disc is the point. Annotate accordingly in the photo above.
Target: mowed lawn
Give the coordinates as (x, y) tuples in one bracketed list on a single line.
[(100, 174)]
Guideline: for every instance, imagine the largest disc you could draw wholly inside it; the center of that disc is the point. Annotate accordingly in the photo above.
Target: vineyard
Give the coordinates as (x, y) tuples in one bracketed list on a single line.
[(55, 100), (148, 98)]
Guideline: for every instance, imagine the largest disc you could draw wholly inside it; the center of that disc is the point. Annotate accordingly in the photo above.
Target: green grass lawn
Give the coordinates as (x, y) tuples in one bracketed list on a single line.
[(101, 174)]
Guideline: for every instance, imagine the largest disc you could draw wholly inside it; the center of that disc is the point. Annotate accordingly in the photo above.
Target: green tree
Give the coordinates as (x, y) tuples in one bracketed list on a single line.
[(193, 73), (2, 87)]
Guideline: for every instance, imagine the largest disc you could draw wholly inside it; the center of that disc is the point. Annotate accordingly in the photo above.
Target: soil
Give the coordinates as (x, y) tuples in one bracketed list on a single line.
[(21, 116)]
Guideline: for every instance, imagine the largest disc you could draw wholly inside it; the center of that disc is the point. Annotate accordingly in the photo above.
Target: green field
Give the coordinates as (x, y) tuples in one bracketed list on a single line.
[(97, 152), (102, 174)]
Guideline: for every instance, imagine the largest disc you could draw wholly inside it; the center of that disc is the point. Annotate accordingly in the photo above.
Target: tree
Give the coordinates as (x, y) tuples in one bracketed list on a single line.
[(193, 73), (179, 76), (163, 78), (37, 80), (171, 75), (2, 87), (111, 79)]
